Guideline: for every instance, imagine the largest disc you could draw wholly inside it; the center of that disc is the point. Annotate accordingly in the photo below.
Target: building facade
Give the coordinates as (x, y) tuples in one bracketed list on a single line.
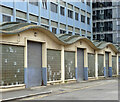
[(106, 21), (34, 56), (59, 16)]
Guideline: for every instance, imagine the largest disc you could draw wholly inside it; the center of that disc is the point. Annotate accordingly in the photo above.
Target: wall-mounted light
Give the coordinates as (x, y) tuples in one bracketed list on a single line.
[(35, 34), (80, 42)]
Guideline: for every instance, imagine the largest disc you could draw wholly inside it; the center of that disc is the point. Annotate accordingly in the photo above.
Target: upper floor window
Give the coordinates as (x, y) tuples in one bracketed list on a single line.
[(88, 20), (54, 30), (82, 18), (62, 31), (6, 18), (33, 2), (88, 3), (54, 7), (44, 4), (76, 16), (20, 20), (62, 11), (70, 14), (82, 1)]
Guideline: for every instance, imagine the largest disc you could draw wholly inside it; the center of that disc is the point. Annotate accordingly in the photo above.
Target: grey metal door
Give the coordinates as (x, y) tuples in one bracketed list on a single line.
[(69, 65), (80, 64), (100, 65), (53, 65), (34, 63), (114, 65), (107, 62), (119, 64), (91, 65)]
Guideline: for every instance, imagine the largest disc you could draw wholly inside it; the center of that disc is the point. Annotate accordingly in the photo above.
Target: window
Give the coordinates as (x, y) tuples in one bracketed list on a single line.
[(88, 20), (47, 27), (54, 7), (20, 20), (88, 3), (70, 32), (44, 4), (70, 14), (54, 30), (34, 23), (35, 2), (82, 18), (82, 1), (6, 18), (62, 11), (77, 34), (76, 16), (62, 31)]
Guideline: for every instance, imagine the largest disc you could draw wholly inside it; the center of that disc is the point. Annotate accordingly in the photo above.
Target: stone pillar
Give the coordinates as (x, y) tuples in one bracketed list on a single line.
[(96, 64), (104, 65), (76, 68), (62, 65), (44, 63), (85, 65), (117, 64)]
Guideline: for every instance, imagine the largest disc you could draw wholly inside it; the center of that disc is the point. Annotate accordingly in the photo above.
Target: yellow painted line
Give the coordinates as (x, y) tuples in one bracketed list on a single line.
[(86, 87)]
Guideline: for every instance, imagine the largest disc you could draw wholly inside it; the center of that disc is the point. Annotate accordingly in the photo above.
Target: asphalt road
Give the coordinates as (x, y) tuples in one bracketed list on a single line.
[(97, 90)]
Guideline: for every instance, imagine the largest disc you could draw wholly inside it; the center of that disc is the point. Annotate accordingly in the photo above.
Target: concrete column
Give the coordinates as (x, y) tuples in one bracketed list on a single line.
[(110, 65), (28, 11), (62, 65), (117, 64), (44, 63), (104, 65), (14, 11), (25, 63), (96, 64), (85, 65), (25, 53), (76, 68)]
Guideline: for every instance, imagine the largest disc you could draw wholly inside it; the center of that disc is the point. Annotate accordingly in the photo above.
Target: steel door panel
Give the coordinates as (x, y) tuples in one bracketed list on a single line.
[(34, 64), (114, 65), (91, 65), (69, 65), (53, 65), (107, 62), (80, 64), (119, 64), (100, 65)]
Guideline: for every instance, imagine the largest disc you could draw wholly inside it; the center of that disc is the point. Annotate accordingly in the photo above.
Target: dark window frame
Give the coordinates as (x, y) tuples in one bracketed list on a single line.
[(70, 14)]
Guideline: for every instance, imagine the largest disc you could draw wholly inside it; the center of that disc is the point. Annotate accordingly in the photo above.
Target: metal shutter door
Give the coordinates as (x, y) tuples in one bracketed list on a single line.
[(100, 65), (107, 63), (53, 65), (34, 64), (114, 65), (91, 65), (69, 65), (80, 64)]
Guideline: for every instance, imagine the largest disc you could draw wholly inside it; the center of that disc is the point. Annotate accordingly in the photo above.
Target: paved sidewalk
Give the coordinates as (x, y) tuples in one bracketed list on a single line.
[(48, 89)]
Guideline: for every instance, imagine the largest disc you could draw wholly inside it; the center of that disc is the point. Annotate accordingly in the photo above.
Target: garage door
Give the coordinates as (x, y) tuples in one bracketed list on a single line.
[(34, 64), (114, 65), (53, 65), (119, 65), (69, 65), (100, 65), (80, 64), (91, 65), (107, 63), (11, 65)]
